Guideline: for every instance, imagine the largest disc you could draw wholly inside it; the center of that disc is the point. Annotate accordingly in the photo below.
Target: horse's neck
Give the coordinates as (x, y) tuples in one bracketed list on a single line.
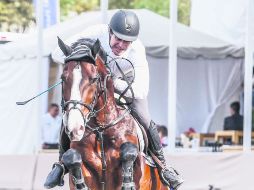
[(109, 111), (108, 107)]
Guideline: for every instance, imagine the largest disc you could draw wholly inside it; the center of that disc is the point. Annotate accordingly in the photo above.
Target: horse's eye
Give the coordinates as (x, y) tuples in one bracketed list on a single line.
[(63, 77)]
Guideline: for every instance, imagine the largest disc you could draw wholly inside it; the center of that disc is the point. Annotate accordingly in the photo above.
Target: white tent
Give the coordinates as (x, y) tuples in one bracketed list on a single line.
[(209, 75), (224, 19), (233, 22)]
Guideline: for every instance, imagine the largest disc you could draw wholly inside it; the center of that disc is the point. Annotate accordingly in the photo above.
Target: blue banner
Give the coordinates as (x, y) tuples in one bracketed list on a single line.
[(50, 12)]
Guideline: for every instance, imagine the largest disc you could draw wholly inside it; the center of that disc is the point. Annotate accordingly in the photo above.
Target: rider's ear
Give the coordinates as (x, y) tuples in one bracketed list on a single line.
[(96, 47), (65, 48)]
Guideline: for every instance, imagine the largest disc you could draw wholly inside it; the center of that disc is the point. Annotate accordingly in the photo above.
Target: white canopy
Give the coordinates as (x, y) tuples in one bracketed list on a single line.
[(209, 74), (154, 35)]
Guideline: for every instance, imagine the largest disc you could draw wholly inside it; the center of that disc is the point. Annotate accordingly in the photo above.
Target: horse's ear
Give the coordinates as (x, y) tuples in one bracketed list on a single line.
[(96, 47), (65, 48)]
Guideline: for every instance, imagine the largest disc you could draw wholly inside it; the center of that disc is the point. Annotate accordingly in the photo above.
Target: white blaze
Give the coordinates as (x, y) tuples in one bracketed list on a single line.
[(75, 119)]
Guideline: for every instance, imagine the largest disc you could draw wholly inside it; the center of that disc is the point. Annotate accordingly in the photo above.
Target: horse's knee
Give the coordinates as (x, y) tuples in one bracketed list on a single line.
[(128, 152), (128, 155), (71, 158)]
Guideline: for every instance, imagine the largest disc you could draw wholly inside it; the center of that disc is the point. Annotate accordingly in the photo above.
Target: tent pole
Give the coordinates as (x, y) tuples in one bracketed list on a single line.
[(39, 21), (104, 9), (172, 76), (248, 67)]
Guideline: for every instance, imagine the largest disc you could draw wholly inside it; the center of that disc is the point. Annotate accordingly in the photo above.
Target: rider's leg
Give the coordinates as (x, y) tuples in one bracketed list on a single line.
[(55, 177), (140, 111)]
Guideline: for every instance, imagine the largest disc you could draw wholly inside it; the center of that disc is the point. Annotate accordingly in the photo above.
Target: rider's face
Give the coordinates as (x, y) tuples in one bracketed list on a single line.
[(118, 45)]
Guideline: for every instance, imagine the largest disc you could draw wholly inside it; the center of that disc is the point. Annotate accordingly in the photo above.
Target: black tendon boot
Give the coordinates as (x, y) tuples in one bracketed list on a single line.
[(168, 175), (56, 175), (72, 160)]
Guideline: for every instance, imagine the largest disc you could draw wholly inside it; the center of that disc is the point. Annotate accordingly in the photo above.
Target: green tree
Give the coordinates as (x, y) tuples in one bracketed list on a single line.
[(16, 16), (159, 6), (117, 4), (184, 7), (76, 6)]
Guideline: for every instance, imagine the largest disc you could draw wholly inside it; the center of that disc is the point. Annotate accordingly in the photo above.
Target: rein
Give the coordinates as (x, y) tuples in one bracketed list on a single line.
[(90, 107), (129, 83)]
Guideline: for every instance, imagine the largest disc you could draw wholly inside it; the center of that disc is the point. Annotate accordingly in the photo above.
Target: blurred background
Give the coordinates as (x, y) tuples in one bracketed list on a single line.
[(207, 131)]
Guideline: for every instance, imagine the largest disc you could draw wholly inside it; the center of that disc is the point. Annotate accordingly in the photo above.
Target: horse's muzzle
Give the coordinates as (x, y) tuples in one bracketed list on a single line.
[(74, 124)]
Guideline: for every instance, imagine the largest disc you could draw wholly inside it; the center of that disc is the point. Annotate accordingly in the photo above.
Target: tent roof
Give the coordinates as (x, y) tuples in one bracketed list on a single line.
[(154, 34)]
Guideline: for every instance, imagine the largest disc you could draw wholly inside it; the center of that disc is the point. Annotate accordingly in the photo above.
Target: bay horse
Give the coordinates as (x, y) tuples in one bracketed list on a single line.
[(104, 153)]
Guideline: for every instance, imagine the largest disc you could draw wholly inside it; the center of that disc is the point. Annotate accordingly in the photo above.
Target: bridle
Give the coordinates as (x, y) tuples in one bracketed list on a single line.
[(98, 130), (92, 112)]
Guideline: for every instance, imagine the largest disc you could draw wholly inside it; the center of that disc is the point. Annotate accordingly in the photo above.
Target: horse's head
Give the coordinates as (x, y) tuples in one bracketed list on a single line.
[(83, 77)]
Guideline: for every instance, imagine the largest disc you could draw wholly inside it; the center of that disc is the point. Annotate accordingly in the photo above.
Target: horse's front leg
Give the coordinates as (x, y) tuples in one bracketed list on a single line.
[(128, 155), (72, 160)]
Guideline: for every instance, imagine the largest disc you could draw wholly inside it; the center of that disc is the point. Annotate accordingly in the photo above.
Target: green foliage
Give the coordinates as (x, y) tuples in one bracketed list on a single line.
[(184, 11), (16, 15), (159, 6), (76, 6), (117, 4)]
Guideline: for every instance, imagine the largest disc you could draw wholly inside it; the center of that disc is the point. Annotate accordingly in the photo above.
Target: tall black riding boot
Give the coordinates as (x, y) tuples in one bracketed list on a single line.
[(168, 175), (56, 175)]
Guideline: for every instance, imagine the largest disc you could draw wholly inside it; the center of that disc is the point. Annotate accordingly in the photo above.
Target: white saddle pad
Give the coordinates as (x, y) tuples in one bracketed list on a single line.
[(148, 159)]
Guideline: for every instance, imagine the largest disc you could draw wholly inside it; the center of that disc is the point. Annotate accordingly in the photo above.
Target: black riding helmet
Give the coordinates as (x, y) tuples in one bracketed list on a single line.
[(125, 25)]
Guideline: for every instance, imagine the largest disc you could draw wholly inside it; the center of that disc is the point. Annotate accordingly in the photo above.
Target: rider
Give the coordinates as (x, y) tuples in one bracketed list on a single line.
[(120, 40)]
